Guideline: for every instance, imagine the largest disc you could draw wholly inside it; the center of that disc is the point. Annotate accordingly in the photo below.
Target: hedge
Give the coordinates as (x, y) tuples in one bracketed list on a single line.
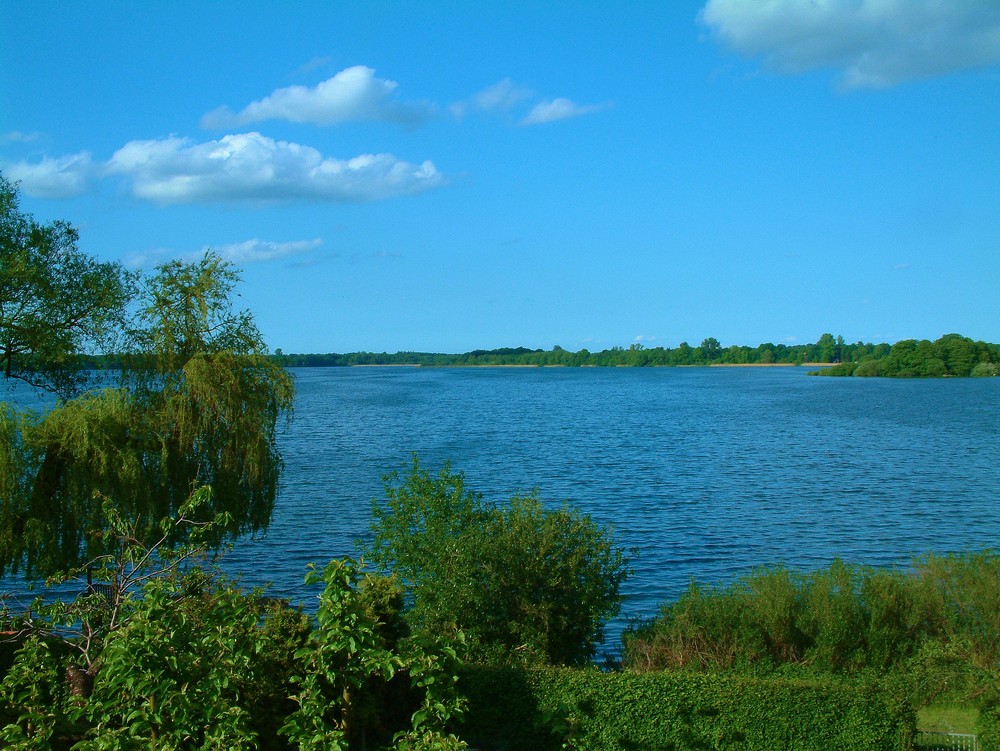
[(988, 728), (553, 708)]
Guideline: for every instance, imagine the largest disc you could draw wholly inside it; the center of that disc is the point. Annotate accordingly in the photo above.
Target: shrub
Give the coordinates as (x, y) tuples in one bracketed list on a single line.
[(839, 619), (988, 728), (525, 583), (985, 369), (550, 708)]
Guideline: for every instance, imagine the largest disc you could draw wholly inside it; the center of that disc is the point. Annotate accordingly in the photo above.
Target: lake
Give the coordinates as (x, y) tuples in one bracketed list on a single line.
[(706, 472)]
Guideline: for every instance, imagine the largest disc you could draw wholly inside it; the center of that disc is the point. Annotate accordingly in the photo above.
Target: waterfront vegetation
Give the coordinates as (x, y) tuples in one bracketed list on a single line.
[(164, 653), (951, 355), (479, 621)]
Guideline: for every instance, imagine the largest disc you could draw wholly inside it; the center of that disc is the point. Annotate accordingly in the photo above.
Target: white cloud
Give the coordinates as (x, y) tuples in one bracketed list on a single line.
[(144, 259), (353, 94), (64, 177), (315, 64), (252, 167), (252, 251), (873, 43), (501, 96), (16, 136), (559, 109), (505, 95)]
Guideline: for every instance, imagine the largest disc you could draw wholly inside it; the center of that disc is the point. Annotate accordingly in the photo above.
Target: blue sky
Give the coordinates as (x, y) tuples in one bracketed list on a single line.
[(449, 175)]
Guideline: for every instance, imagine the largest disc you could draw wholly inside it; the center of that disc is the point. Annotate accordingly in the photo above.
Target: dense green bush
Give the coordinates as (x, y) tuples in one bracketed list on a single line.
[(549, 708), (985, 369), (840, 619), (346, 670), (523, 582), (198, 664), (988, 729), (163, 653), (951, 355)]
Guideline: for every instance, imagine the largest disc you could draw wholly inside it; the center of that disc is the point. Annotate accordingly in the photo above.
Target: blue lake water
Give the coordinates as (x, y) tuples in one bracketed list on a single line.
[(706, 472)]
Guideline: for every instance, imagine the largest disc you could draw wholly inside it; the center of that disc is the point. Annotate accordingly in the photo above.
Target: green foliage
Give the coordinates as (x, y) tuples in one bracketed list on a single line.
[(35, 698), (163, 654), (988, 728), (156, 654), (951, 355), (192, 663), (586, 709), (827, 350), (198, 404), (525, 583), (349, 660), (838, 620), (55, 301), (985, 370), (170, 677), (187, 311)]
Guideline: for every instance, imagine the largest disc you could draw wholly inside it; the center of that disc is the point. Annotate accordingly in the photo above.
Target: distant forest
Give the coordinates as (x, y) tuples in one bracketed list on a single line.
[(951, 355)]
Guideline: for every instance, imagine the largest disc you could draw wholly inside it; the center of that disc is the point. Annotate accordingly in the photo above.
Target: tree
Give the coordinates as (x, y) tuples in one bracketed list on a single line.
[(710, 348), (523, 582), (55, 301), (197, 404)]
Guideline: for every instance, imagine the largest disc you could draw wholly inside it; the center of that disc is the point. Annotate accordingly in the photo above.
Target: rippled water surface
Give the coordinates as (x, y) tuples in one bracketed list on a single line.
[(707, 472)]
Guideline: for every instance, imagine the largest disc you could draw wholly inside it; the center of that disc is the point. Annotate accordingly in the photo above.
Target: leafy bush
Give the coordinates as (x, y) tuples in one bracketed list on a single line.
[(840, 619), (988, 728), (348, 662), (985, 369), (951, 355), (550, 708), (525, 583), (161, 653)]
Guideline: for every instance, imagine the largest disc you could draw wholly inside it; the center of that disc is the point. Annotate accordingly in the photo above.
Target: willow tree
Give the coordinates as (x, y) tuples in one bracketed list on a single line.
[(197, 403)]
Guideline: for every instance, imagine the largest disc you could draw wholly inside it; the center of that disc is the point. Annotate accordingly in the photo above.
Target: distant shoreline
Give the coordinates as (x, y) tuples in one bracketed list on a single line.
[(770, 365), (563, 365)]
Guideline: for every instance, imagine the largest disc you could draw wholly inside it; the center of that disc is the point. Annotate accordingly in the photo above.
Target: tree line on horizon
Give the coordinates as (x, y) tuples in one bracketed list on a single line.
[(952, 354)]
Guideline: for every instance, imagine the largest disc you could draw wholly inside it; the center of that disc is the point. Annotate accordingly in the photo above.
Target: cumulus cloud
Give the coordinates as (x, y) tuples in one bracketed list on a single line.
[(872, 43), (354, 94), (559, 109), (253, 251), (63, 177), (252, 167)]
